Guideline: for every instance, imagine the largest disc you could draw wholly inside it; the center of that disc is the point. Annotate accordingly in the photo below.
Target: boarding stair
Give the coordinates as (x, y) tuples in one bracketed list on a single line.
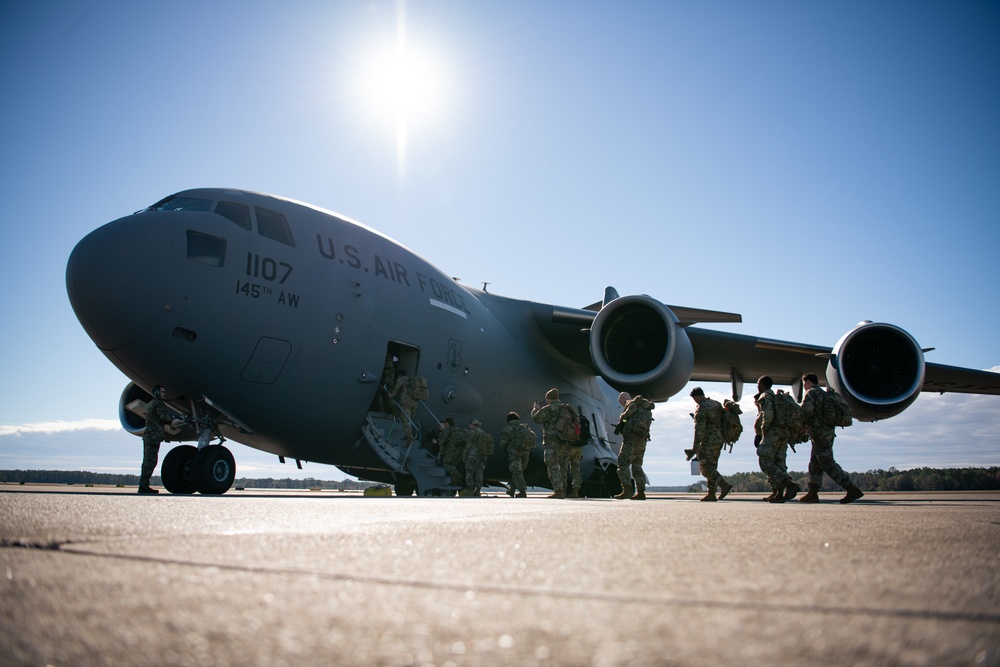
[(384, 433)]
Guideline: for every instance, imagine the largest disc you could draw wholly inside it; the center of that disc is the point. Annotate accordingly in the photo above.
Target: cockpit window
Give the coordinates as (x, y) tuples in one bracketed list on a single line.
[(206, 249), (183, 204), (238, 213), (272, 225)]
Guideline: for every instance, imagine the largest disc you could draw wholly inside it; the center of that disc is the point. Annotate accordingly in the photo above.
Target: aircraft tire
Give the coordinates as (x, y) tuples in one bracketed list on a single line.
[(214, 470), (176, 471), (602, 484), (405, 487)]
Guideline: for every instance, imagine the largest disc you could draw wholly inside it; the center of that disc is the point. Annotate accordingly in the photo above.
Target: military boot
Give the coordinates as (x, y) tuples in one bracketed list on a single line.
[(145, 488), (639, 495), (575, 493), (791, 490), (774, 492), (710, 497), (724, 489), (777, 497), (624, 495), (812, 496), (853, 493), (558, 493), (522, 494)]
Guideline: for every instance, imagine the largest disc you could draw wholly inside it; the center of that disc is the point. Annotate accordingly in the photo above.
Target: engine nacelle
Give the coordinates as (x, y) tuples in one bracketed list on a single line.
[(132, 410), (878, 368), (638, 346)]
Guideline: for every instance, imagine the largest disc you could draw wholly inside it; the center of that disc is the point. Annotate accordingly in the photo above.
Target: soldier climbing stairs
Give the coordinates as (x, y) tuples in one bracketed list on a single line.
[(384, 433)]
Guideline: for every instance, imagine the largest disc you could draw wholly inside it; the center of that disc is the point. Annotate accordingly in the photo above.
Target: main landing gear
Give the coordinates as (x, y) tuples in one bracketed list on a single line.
[(209, 470)]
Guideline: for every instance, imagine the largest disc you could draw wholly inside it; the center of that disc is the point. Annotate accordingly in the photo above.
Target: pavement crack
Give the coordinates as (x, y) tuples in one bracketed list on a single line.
[(44, 545)]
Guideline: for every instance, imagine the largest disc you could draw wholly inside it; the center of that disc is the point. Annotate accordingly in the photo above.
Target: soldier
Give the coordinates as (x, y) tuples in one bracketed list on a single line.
[(573, 455), (478, 446), (771, 442), (157, 417), (454, 451), (388, 382), (518, 440), (434, 439), (637, 415), (555, 461), (822, 434), (708, 443), (407, 405)]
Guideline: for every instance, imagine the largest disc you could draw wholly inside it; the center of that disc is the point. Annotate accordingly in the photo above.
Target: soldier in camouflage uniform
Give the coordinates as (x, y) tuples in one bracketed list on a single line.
[(407, 405), (454, 451), (518, 440), (555, 460), (771, 442), (821, 459), (708, 443), (477, 448), (434, 438), (634, 420), (388, 382), (573, 455), (157, 417)]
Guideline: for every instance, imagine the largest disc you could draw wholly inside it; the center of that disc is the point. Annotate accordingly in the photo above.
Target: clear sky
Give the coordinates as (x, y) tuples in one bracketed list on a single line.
[(808, 165)]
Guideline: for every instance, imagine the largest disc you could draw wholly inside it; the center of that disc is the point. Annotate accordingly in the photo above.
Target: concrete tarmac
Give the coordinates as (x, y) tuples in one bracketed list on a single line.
[(103, 576)]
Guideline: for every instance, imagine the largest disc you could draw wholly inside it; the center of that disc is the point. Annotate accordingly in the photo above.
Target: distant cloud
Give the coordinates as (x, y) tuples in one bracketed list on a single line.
[(60, 427)]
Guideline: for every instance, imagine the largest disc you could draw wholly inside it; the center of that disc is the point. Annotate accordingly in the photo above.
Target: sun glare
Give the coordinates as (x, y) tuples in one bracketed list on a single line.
[(404, 87)]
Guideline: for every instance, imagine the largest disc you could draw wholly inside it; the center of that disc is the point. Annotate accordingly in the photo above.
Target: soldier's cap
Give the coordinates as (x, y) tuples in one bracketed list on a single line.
[(513, 416), (473, 422), (697, 391), (552, 394)]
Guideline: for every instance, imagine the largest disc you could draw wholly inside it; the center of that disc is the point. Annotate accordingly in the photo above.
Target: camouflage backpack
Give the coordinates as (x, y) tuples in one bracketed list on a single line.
[(527, 438), (484, 442), (643, 417), (788, 414), (567, 425), (836, 411), (732, 429), (418, 388)]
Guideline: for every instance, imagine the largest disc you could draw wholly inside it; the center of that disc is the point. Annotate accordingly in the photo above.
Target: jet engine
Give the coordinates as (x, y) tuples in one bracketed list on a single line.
[(637, 345), (878, 369), (132, 409)]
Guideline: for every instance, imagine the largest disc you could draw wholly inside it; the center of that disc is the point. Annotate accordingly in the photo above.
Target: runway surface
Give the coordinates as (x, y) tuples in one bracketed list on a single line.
[(102, 576)]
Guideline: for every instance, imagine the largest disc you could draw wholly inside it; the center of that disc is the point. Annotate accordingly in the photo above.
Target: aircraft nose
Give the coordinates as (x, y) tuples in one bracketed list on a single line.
[(108, 276)]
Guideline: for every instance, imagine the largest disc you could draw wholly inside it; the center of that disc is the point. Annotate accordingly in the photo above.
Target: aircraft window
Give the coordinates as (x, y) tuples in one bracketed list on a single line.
[(206, 249), (273, 226), (183, 204), (238, 213)]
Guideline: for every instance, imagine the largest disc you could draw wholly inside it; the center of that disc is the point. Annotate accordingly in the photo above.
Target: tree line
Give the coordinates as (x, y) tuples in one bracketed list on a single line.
[(112, 479), (918, 479)]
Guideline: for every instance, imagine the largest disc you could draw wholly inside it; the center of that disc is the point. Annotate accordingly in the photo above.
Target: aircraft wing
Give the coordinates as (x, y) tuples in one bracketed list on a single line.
[(943, 379), (640, 345)]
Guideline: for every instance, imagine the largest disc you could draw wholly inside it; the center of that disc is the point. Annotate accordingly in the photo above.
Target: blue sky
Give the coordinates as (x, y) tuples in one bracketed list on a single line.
[(808, 165)]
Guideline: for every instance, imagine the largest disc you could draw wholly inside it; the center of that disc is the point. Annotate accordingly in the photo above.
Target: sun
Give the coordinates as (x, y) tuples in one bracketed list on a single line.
[(404, 87)]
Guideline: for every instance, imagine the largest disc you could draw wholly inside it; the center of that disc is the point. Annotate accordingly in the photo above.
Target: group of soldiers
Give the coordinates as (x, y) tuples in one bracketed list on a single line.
[(455, 446), (772, 441), (461, 449)]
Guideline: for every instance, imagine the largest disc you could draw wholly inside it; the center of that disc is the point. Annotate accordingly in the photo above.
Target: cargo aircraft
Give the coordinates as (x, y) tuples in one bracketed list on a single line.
[(269, 321)]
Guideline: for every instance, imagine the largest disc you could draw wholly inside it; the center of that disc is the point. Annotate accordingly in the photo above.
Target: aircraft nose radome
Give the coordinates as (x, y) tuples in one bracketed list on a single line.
[(106, 276)]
